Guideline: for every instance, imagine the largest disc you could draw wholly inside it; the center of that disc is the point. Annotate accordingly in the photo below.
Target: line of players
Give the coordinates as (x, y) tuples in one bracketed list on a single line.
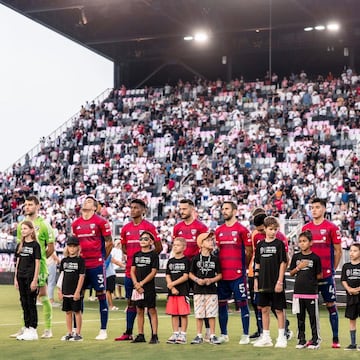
[(235, 246)]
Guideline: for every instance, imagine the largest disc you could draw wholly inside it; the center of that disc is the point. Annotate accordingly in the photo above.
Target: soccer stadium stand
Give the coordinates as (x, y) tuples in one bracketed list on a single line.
[(260, 144)]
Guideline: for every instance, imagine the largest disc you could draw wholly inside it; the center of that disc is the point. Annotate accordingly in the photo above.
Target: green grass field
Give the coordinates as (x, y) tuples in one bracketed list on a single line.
[(109, 349)]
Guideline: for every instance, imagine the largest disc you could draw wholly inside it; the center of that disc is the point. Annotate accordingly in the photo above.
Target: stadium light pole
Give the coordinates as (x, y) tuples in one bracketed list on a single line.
[(270, 39)]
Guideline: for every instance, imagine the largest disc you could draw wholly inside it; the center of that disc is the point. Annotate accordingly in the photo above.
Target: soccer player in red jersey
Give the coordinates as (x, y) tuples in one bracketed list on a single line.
[(130, 235), (326, 244), (94, 234), (189, 228), (235, 251)]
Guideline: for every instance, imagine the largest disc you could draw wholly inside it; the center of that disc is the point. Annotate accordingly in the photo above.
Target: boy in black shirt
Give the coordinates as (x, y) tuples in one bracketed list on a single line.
[(270, 265), (143, 270), (205, 273), (306, 267)]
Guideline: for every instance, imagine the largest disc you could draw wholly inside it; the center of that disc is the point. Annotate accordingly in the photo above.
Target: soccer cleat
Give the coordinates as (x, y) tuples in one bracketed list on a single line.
[(18, 333), (154, 340), (214, 340), (124, 337), (140, 338), (336, 345), (181, 339), (76, 337), (301, 344), (263, 342), (102, 335), (197, 340), (281, 342), (114, 308), (66, 337), (351, 347), (245, 339), (47, 334), (313, 345), (224, 338)]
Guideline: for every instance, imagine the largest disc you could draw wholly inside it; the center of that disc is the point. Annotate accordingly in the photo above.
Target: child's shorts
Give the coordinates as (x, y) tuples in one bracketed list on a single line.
[(206, 306), (178, 305)]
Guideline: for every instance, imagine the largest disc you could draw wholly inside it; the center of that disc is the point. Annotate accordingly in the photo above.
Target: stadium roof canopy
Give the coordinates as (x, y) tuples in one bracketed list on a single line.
[(146, 37)]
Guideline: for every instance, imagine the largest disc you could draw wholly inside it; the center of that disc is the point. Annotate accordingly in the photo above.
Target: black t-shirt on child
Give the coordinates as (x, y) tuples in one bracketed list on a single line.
[(176, 268), (306, 279)]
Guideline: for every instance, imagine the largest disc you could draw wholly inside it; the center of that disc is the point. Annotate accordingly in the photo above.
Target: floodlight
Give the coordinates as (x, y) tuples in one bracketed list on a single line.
[(309, 28), (320, 27), (333, 27), (201, 37)]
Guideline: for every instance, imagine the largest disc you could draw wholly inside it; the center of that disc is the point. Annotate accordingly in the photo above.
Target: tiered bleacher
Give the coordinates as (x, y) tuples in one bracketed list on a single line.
[(270, 145)]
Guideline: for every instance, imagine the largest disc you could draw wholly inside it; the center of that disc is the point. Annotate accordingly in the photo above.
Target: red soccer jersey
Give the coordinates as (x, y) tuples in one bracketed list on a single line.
[(324, 237), (231, 241), (91, 235), (130, 235), (190, 233)]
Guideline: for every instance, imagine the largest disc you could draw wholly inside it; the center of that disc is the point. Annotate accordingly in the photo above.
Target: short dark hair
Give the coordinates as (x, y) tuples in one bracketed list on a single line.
[(231, 203), (34, 199), (318, 200), (307, 234), (259, 219), (187, 201), (139, 202)]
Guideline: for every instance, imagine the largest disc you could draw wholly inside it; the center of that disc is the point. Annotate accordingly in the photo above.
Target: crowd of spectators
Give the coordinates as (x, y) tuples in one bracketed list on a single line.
[(270, 143)]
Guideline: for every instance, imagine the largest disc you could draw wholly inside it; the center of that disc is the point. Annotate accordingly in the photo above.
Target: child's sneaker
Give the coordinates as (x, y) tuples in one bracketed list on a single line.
[(197, 340), (181, 339), (66, 337), (140, 338), (301, 344), (254, 336), (214, 340), (172, 339), (281, 342), (313, 345), (18, 333), (263, 341), (76, 337), (351, 347), (154, 340), (245, 339)]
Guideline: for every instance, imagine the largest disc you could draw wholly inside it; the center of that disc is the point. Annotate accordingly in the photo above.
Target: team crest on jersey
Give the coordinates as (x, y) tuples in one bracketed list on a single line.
[(92, 226), (193, 231), (338, 232), (348, 272), (322, 231), (233, 233)]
